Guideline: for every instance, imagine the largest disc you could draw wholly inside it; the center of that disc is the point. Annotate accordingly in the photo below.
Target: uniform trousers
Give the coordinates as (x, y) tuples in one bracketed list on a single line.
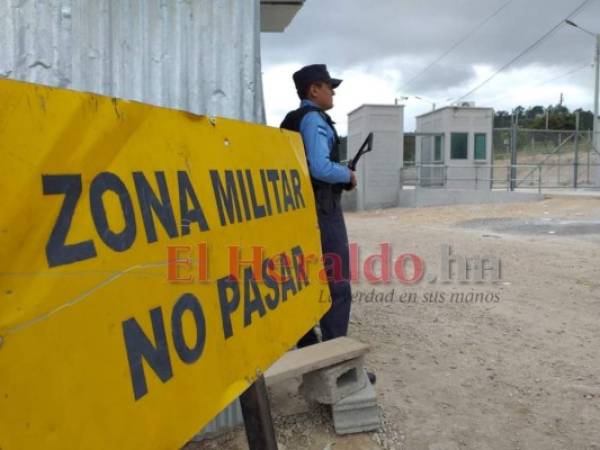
[(334, 244)]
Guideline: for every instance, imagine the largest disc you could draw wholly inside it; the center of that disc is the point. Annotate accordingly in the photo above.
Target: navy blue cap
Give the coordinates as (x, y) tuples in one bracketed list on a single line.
[(313, 74)]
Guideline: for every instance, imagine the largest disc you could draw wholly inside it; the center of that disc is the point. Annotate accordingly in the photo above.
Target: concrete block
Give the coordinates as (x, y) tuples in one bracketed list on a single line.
[(357, 413), (332, 384), (356, 420), (364, 398)]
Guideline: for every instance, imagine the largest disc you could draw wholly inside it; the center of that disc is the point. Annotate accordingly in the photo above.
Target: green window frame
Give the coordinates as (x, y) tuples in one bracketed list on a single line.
[(480, 146), (437, 148), (459, 145)]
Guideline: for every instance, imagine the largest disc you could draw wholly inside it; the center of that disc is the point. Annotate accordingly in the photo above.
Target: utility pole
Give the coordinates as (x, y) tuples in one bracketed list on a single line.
[(576, 160), (513, 152), (596, 85)]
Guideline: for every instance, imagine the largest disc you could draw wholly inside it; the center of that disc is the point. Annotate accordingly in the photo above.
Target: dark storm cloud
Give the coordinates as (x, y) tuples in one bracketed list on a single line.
[(440, 77), (350, 33)]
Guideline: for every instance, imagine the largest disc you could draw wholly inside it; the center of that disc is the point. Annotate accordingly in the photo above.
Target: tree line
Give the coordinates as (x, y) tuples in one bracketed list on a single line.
[(558, 117)]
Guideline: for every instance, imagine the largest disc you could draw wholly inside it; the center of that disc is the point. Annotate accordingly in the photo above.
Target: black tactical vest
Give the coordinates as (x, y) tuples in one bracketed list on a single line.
[(292, 122)]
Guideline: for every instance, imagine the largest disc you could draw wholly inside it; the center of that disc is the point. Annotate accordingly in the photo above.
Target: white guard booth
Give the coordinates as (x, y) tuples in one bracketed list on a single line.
[(454, 147)]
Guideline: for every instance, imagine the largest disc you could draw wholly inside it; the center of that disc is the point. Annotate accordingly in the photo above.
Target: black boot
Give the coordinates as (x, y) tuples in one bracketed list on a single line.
[(372, 377)]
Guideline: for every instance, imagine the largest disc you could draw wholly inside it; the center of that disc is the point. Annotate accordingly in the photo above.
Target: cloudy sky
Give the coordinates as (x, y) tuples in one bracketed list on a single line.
[(382, 48)]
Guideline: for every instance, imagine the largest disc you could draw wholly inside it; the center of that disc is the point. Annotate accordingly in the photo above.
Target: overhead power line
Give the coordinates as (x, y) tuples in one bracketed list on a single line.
[(527, 50), (458, 43), (566, 74), (558, 77)]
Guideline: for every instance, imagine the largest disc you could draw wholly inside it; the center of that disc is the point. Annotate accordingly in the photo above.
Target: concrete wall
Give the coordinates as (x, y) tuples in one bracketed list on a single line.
[(349, 200), (422, 197), (451, 119), (379, 171)]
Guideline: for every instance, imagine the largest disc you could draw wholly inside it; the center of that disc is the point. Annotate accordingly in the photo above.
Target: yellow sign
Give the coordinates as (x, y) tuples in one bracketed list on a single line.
[(152, 263)]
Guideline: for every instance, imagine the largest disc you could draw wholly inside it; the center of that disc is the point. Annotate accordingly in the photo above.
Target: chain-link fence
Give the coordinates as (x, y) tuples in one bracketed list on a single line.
[(556, 158)]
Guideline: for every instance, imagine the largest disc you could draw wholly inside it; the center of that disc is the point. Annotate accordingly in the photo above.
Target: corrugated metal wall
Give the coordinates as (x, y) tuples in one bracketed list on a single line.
[(228, 419), (201, 56)]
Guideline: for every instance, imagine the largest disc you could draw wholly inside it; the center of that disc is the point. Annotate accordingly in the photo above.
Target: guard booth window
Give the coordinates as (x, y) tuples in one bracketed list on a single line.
[(437, 149), (458, 145), (480, 146)]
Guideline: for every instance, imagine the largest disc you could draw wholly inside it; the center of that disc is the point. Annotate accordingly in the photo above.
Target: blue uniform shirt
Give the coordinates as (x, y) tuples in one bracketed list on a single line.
[(319, 140)]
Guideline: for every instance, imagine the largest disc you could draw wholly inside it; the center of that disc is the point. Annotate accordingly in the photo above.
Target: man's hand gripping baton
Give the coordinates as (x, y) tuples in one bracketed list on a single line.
[(366, 147)]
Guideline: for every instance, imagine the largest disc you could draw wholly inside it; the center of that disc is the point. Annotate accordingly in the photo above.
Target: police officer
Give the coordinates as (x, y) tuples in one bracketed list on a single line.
[(315, 87)]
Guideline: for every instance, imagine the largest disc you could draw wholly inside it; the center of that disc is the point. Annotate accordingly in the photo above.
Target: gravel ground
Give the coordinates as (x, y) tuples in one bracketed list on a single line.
[(515, 367)]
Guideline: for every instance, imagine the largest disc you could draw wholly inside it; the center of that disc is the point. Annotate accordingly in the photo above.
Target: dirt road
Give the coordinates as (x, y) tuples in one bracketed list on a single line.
[(515, 367)]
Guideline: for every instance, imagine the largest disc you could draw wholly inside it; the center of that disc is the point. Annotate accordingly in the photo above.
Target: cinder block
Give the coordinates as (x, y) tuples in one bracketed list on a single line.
[(332, 384), (356, 420), (357, 413), (364, 398)]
